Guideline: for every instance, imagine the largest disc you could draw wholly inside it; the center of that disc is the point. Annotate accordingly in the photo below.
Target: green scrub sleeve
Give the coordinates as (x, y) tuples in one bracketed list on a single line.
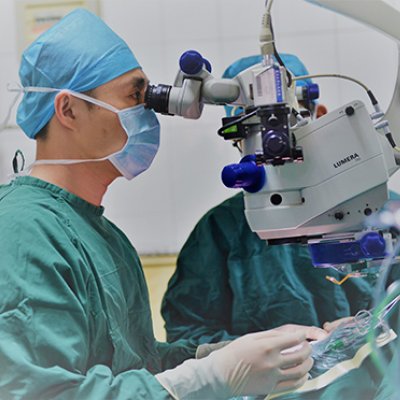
[(198, 301), (228, 283), (46, 341), (174, 354)]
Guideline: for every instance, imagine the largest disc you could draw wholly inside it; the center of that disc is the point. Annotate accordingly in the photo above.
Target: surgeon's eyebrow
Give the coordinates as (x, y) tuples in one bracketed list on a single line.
[(139, 83)]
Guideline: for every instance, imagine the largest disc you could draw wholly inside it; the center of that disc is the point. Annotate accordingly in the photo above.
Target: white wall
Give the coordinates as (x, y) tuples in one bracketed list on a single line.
[(158, 209)]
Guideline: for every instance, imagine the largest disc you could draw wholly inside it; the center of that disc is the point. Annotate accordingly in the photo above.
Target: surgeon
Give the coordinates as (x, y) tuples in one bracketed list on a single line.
[(75, 319), (228, 282)]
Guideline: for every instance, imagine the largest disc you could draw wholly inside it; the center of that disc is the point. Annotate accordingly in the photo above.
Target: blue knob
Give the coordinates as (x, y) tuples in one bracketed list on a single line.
[(207, 65), (312, 92), (246, 175), (191, 62), (373, 245)]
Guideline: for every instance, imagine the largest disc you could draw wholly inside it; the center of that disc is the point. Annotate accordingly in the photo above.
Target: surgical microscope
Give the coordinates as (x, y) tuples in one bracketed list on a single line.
[(305, 181)]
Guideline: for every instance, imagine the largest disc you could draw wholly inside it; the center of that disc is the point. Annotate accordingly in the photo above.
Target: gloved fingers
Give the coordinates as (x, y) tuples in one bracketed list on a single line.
[(297, 372), (311, 332), (290, 385), (331, 326), (315, 333), (295, 355), (265, 334), (286, 342), (203, 350)]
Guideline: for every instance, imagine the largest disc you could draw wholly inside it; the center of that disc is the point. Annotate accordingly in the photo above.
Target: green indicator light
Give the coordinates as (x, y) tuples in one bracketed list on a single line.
[(232, 129)]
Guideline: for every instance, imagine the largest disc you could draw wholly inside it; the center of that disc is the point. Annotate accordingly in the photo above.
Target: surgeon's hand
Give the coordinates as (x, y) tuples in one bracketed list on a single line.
[(311, 332), (265, 362), (331, 326), (255, 364), (205, 349)]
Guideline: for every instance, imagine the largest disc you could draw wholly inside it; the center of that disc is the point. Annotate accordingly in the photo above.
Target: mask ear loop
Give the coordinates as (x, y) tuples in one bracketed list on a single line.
[(82, 97), (93, 101), (18, 88)]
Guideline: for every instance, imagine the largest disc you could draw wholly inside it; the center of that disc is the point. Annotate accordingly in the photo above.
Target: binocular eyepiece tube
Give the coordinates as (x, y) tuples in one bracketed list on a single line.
[(157, 98)]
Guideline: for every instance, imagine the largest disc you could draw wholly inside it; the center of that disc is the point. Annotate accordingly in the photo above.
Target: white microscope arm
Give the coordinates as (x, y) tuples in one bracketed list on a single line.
[(385, 18)]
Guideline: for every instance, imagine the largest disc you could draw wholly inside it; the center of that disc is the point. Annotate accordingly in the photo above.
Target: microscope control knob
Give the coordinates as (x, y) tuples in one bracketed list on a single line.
[(246, 175), (373, 244), (339, 215), (308, 92), (273, 120), (192, 62), (313, 91), (275, 143)]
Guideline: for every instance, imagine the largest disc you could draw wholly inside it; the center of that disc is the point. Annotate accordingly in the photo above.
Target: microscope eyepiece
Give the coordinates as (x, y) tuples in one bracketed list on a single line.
[(157, 98)]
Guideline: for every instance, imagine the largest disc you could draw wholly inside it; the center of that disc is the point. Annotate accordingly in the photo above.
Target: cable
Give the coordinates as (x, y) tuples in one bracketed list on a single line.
[(380, 125), (267, 32), (278, 57), (301, 121), (266, 37), (343, 280), (235, 122), (349, 78), (237, 144), (268, 6), (340, 76), (391, 141)]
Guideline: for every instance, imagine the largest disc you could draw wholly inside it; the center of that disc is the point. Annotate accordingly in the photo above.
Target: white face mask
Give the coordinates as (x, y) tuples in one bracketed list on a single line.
[(142, 129)]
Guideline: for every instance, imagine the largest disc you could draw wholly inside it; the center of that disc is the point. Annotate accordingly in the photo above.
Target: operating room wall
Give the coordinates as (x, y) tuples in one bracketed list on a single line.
[(158, 209)]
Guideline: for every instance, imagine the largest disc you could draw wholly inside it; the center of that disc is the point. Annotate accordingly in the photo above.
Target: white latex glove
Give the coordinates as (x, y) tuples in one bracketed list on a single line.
[(255, 364), (331, 326), (207, 348), (311, 332)]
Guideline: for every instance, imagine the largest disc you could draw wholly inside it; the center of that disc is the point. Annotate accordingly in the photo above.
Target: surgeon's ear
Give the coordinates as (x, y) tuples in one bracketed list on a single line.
[(320, 110), (64, 105)]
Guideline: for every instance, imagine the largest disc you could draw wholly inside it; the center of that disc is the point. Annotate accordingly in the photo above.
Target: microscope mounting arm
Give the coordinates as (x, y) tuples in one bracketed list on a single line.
[(310, 182)]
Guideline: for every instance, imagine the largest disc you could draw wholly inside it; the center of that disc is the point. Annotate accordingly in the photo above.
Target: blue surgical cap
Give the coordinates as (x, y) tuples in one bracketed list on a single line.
[(292, 63), (79, 53)]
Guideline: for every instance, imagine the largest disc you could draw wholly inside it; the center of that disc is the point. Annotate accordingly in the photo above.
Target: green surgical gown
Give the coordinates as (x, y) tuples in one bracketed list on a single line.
[(390, 387), (75, 320)]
